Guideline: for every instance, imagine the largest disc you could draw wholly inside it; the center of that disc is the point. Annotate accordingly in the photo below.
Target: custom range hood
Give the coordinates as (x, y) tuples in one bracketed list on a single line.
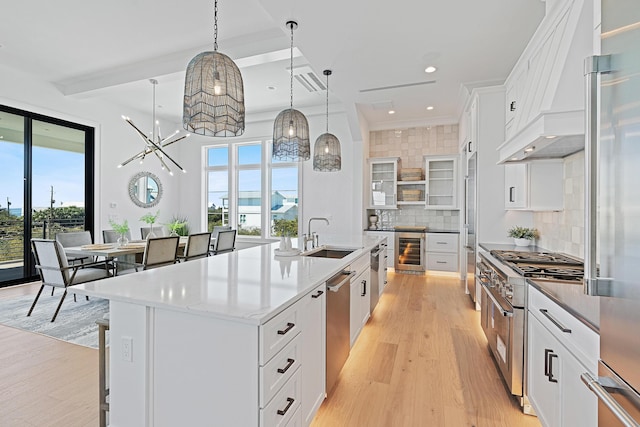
[(545, 92)]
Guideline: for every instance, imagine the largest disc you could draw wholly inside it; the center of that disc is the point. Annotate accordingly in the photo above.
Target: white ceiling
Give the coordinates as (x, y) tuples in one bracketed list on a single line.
[(109, 50)]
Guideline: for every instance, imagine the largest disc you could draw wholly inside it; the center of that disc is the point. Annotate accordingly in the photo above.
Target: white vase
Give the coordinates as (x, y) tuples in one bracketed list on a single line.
[(521, 242)]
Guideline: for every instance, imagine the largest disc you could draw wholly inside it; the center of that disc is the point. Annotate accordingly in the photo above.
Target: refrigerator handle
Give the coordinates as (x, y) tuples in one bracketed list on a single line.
[(593, 66), (599, 390)]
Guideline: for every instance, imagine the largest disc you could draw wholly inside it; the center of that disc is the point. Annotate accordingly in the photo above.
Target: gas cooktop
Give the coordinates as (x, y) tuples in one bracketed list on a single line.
[(542, 265)]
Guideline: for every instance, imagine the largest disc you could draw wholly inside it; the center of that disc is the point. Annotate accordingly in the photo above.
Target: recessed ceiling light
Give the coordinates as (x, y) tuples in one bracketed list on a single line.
[(530, 149), (392, 111), (430, 107), (430, 69), (271, 87), (514, 158), (550, 136)]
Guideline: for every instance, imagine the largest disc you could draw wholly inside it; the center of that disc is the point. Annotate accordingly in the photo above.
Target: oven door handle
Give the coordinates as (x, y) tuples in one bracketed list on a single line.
[(503, 311)]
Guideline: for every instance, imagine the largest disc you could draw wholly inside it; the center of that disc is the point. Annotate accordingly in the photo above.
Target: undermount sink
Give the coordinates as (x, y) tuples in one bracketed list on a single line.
[(328, 252)]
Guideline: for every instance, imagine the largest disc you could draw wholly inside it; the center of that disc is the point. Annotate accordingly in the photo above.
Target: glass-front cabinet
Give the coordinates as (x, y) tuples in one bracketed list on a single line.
[(383, 174), (441, 182)]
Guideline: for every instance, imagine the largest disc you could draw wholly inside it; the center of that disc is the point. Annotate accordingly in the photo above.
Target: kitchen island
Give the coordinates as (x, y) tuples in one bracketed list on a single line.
[(198, 343)]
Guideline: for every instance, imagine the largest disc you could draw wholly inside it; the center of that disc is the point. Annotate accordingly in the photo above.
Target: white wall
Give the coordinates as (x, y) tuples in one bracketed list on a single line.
[(335, 195)]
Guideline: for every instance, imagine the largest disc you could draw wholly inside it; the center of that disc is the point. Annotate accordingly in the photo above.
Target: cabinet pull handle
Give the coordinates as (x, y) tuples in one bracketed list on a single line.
[(317, 295), (290, 401), (551, 356), (546, 361), (290, 362), (554, 321), (469, 148), (441, 243), (364, 288), (441, 262), (512, 106), (287, 329), (512, 194)]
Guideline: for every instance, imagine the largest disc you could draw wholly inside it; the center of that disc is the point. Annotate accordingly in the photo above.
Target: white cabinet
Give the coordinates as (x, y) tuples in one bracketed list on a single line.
[(441, 176), (474, 122), (313, 352), (534, 186), (360, 297), (560, 349), (442, 251), (383, 176)]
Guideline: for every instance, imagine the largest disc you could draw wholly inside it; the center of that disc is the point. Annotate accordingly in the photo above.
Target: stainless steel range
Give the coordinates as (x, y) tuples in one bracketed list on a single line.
[(502, 275)]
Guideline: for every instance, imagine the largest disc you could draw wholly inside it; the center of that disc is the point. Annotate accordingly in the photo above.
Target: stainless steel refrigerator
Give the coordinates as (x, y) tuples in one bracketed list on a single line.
[(612, 215)]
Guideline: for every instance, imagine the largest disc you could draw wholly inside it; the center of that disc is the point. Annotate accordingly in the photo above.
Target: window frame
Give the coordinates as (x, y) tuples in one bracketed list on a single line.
[(233, 168)]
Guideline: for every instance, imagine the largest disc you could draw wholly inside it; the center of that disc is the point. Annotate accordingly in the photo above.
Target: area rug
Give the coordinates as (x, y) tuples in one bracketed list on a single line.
[(76, 321)]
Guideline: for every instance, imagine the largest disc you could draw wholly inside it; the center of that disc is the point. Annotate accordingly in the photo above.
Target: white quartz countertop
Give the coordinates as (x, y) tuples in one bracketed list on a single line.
[(250, 285)]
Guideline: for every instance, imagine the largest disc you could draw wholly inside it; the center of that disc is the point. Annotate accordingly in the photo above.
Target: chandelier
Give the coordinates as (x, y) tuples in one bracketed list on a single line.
[(291, 129), (326, 150), (154, 143), (213, 93)]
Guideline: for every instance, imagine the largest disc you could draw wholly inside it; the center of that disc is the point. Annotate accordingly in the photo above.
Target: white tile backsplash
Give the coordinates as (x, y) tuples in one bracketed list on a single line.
[(411, 145), (564, 231)]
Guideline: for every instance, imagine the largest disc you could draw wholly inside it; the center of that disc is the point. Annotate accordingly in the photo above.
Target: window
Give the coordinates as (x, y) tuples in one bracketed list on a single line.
[(249, 192)]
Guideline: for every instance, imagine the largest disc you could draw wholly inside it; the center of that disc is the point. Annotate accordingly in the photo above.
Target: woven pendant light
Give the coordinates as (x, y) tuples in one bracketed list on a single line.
[(291, 129), (213, 93), (326, 150)]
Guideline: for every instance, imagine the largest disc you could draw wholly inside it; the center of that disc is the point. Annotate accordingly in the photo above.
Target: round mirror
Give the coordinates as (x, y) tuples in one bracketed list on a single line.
[(145, 189)]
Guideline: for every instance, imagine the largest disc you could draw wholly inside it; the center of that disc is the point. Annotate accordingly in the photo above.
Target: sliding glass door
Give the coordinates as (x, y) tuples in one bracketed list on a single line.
[(46, 188)]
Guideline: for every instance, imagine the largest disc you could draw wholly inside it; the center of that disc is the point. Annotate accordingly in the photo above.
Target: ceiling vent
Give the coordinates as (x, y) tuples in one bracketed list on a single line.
[(307, 78), (373, 89)]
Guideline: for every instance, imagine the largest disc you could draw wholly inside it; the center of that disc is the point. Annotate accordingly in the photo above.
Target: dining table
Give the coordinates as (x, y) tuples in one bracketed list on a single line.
[(113, 251)]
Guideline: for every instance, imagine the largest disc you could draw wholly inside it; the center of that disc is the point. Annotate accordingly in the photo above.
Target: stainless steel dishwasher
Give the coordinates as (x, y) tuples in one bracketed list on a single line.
[(338, 321)]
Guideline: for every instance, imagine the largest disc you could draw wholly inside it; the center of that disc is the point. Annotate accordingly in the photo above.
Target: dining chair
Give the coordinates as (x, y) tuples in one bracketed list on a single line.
[(158, 231), (225, 242), (160, 251), (75, 238), (110, 236), (55, 270), (197, 246)]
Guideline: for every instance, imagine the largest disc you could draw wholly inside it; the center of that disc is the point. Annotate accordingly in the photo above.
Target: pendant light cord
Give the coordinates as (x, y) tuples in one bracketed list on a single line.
[(153, 109), (291, 67), (215, 25), (327, 116)]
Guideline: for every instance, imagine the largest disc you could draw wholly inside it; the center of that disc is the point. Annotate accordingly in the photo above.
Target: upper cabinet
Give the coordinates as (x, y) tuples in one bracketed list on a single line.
[(383, 177), (534, 186), (544, 93), (441, 174)]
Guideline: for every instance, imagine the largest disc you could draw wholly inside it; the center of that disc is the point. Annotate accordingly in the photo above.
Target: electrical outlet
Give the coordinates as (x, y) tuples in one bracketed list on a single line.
[(127, 349), (113, 205)]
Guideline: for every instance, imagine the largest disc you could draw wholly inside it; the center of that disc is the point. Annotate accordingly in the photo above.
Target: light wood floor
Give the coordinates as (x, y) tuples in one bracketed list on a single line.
[(44, 381), (421, 360)]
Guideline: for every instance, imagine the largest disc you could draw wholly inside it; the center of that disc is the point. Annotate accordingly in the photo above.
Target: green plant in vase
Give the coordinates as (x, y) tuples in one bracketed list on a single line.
[(523, 236), (150, 219), (178, 227), (122, 229)]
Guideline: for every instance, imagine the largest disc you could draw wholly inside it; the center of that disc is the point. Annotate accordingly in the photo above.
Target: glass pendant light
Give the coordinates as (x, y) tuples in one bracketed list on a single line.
[(213, 93), (291, 129), (326, 150)]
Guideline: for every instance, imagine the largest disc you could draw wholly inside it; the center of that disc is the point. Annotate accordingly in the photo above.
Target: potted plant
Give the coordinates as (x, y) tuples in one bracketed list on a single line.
[(522, 236), (178, 226), (150, 219), (122, 229)]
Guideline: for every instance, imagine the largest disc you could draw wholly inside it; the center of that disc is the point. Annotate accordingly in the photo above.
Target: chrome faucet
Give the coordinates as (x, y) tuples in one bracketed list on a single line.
[(312, 237)]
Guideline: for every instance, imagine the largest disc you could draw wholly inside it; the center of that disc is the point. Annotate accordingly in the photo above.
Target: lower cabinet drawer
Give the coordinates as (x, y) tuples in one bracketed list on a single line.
[(442, 262), (283, 405), (277, 332), (296, 419), (278, 370), (441, 242)]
